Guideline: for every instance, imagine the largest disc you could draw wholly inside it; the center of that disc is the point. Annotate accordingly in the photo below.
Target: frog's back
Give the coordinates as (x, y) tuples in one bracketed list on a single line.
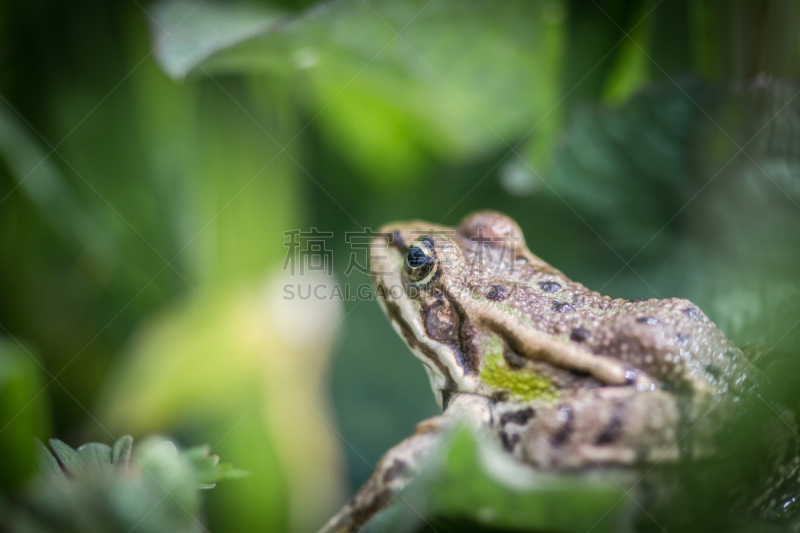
[(670, 339)]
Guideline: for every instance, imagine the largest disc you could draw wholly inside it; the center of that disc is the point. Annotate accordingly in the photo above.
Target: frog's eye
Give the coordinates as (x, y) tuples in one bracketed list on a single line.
[(420, 263)]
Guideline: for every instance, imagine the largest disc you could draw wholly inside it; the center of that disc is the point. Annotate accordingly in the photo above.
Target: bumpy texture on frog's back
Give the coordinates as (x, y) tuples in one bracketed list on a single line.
[(669, 339)]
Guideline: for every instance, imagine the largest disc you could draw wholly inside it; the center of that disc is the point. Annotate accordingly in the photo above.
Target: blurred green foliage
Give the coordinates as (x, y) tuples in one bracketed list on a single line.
[(474, 481), (23, 411), (98, 488), (153, 154)]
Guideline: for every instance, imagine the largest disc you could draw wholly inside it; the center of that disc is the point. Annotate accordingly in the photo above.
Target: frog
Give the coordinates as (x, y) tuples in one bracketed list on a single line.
[(562, 377)]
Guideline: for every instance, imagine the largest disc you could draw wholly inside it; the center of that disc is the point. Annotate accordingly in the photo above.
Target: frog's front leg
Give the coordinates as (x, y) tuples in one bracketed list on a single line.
[(400, 464)]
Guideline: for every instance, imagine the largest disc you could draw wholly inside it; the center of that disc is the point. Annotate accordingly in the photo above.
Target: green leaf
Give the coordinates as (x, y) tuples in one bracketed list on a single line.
[(68, 457), (209, 470), (121, 452), (162, 495), (471, 480), (204, 465), (39, 178), (24, 414), (634, 162), (48, 465), (391, 94), (186, 33), (227, 471), (198, 453), (95, 457)]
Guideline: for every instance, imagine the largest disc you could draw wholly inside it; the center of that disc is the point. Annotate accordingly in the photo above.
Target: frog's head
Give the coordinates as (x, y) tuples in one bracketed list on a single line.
[(422, 274)]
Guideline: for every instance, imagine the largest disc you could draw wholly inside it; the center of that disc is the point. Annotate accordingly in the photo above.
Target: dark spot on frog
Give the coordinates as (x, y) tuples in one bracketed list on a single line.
[(649, 320), (630, 376), (509, 441), (635, 300), (714, 370), (441, 322), (500, 396), (497, 293), (397, 468), (583, 375), (681, 338), (466, 349), (514, 360), (562, 307), (517, 417), (613, 430), (447, 395), (549, 286), (579, 334), (694, 313), (565, 431)]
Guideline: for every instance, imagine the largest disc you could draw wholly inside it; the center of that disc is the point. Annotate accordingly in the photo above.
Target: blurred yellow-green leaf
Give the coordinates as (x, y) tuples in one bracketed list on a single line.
[(23, 412), (243, 367)]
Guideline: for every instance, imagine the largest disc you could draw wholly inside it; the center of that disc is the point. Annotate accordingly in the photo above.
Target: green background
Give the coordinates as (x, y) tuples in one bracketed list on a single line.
[(152, 155)]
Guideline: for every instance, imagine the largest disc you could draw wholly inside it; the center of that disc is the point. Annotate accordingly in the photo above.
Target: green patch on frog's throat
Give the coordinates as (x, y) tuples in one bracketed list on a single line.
[(522, 384)]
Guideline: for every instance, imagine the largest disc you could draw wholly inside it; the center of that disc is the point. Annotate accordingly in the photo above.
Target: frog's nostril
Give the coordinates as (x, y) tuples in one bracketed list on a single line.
[(580, 334)]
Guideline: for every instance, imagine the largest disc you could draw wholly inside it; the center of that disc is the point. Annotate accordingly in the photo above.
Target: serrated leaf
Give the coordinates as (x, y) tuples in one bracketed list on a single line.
[(227, 471), (162, 495), (95, 457), (168, 447), (197, 453), (68, 457), (206, 470), (121, 452), (47, 464), (210, 470)]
